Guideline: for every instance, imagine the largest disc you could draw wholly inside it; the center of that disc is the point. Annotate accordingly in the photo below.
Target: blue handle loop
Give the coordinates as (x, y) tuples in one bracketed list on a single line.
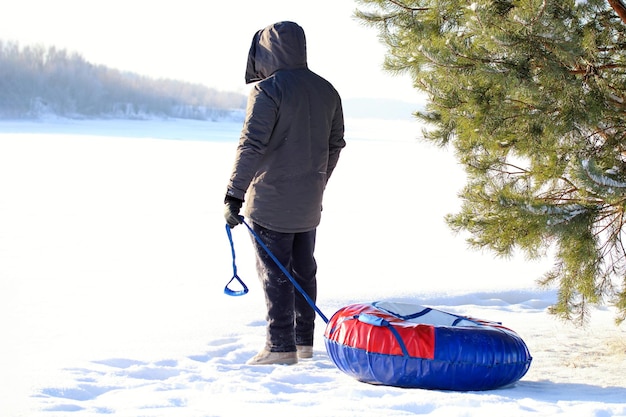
[(234, 293), (235, 277)]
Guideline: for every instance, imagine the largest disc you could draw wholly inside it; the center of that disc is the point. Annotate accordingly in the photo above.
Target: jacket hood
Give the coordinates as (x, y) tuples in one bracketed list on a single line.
[(277, 47)]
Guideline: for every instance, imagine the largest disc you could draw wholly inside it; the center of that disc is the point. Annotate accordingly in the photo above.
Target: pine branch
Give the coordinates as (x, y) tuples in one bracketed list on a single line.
[(591, 70), (612, 241), (541, 12), (529, 106), (405, 7)]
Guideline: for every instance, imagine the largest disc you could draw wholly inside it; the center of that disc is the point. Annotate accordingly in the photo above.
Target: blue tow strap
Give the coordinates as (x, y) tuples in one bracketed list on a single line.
[(280, 265), (227, 290)]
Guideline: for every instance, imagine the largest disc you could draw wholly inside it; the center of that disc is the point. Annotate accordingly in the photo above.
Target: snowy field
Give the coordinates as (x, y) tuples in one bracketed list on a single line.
[(113, 260)]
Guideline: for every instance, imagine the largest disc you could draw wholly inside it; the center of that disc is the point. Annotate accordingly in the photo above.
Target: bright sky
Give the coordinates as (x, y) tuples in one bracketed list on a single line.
[(207, 41)]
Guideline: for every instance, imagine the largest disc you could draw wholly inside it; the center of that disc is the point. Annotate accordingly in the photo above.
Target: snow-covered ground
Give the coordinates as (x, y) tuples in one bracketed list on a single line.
[(113, 258)]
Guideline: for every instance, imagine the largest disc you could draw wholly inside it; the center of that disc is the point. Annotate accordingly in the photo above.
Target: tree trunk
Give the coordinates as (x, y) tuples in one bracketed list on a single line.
[(619, 8)]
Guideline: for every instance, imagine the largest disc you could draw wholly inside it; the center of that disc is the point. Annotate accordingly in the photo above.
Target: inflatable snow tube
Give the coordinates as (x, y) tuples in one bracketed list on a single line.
[(411, 346)]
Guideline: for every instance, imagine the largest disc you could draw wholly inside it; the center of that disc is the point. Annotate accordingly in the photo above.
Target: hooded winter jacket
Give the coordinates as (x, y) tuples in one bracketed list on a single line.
[(292, 134)]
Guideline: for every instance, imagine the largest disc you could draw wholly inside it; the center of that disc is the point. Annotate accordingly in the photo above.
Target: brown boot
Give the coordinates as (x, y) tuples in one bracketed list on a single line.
[(266, 357), (305, 352)]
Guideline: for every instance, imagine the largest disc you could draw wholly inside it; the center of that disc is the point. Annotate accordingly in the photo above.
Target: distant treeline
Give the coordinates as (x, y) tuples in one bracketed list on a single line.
[(37, 81)]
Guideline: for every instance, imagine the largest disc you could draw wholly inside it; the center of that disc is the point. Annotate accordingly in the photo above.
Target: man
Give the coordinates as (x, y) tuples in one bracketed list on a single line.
[(289, 146)]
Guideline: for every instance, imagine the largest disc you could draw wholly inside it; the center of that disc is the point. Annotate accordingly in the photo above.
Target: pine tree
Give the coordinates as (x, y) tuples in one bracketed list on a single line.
[(532, 96)]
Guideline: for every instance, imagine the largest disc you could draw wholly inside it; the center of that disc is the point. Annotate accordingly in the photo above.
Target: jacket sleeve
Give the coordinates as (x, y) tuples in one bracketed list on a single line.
[(336, 141), (261, 116)]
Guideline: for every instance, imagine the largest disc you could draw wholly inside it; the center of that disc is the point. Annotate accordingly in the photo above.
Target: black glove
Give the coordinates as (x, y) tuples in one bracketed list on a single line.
[(231, 211)]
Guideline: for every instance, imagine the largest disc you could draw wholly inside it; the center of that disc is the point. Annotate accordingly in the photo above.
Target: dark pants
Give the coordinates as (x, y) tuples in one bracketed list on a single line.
[(290, 318)]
